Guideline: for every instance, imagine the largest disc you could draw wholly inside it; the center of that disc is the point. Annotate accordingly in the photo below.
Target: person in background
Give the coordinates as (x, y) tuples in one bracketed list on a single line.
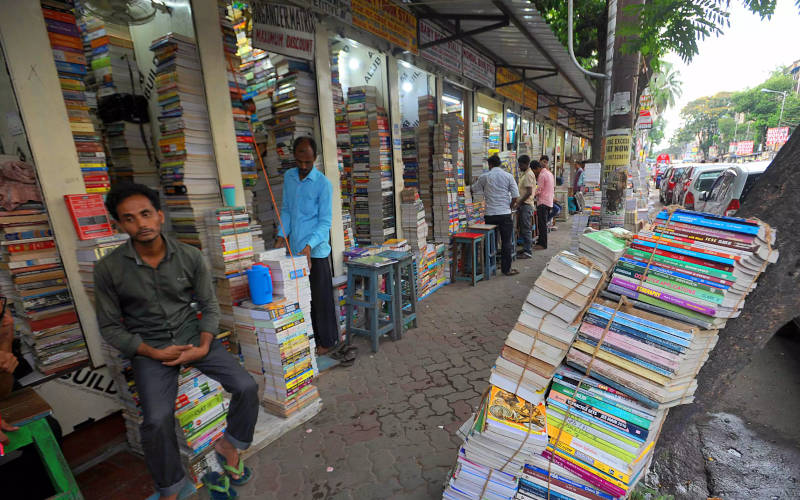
[(501, 193), (306, 224), (527, 190), (545, 194), (544, 160), (577, 186), (146, 291)]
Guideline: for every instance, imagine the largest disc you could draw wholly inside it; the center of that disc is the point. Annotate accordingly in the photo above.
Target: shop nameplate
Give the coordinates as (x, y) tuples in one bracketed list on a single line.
[(447, 55), (531, 98), (388, 21), (339, 9), (283, 29), (477, 67), (513, 91)]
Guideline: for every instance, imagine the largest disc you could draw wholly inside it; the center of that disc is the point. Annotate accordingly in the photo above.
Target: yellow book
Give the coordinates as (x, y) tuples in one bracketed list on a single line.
[(622, 363), (611, 479), (81, 127)]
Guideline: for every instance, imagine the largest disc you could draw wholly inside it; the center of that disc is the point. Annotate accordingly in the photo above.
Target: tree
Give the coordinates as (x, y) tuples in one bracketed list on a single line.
[(763, 108), (665, 86), (701, 118)]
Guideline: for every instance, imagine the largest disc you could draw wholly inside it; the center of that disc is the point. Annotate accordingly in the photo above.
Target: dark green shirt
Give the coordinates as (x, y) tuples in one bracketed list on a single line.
[(136, 303)]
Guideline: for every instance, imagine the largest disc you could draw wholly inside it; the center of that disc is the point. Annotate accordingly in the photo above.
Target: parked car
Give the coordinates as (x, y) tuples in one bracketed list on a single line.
[(731, 188), (670, 181), (700, 179), (662, 183), (682, 185)]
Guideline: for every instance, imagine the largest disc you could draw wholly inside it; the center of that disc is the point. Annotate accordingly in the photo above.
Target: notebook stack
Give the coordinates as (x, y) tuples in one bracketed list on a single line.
[(276, 349), (410, 164), (71, 64), (90, 252), (544, 331), (413, 219), (433, 269), (344, 148), (456, 124), (445, 188), (603, 247), (427, 120), (507, 433), (294, 107), (189, 174)]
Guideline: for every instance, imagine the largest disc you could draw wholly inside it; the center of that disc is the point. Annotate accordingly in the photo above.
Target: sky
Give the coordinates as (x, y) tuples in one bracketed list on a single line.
[(742, 57)]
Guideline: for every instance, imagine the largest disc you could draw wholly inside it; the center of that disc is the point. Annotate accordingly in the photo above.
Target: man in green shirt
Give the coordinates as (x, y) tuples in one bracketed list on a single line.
[(146, 291)]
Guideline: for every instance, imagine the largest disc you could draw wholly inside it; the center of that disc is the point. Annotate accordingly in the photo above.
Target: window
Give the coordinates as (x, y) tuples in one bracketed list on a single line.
[(705, 181), (721, 185), (748, 184)]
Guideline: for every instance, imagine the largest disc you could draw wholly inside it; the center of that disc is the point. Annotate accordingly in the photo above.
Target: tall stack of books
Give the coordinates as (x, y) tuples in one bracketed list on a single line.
[(71, 64), (343, 145), (456, 124), (382, 219), (413, 219), (90, 252), (543, 334), (276, 349), (445, 188), (410, 165), (34, 282), (189, 174), (432, 269), (360, 101), (294, 107), (427, 120)]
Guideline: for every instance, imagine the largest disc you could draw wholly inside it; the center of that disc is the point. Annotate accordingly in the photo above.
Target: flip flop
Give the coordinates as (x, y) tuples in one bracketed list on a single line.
[(343, 353), (245, 473), (511, 272), (349, 357), (219, 486)]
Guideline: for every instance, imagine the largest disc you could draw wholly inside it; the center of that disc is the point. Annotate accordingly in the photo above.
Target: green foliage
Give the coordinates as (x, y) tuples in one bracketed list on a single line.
[(666, 86), (701, 118), (589, 30), (762, 110)]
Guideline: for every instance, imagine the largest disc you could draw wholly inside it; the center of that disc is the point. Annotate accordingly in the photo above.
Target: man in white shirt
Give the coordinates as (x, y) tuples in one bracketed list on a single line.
[(500, 192)]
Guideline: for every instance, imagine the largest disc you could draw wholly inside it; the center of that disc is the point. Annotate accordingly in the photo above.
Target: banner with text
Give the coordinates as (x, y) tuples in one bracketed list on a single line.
[(618, 151), (744, 148), (531, 98), (477, 67), (339, 9), (777, 135), (447, 55), (283, 29), (388, 21), (513, 91)]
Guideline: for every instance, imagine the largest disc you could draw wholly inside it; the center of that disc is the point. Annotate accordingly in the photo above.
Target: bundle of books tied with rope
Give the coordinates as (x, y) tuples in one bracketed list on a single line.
[(636, 348)]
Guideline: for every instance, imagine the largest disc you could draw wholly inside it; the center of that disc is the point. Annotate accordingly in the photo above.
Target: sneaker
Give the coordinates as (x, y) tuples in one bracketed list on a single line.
[(524, 255)]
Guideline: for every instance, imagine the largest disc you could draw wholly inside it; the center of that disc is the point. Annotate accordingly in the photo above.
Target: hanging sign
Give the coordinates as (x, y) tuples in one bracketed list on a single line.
[(339, 9), (744, 148), (513, 91), (777, 135), (388, 21), (645, 121), (573, 122), (553, 113), (447, 55), (618, 150), (531, 98), (477, 67), (283, 29)]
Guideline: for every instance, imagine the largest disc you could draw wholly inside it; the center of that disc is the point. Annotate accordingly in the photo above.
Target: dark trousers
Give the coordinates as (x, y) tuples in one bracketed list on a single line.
[(323, 311), (526, 226), (542, 215), (158, 387), (505, 225)]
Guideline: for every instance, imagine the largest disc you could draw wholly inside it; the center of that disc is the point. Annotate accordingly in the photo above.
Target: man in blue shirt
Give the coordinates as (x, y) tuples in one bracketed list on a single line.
[(306, 223)]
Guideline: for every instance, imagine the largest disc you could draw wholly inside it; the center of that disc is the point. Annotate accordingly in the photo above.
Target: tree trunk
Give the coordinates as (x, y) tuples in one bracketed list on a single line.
[(600, 88), (773, 303)]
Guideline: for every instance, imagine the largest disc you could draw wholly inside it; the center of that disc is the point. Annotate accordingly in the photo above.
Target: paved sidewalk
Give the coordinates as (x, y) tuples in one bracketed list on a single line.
[(387, 426)]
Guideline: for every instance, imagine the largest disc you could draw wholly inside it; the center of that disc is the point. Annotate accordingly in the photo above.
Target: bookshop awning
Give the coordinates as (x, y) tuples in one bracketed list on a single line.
[(519, 39)]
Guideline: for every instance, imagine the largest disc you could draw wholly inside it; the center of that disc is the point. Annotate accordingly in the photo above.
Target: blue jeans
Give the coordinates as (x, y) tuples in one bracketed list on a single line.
[(526, 226)]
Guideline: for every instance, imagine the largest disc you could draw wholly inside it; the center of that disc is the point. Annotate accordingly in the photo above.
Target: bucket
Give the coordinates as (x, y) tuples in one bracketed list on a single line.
[(260, 282)]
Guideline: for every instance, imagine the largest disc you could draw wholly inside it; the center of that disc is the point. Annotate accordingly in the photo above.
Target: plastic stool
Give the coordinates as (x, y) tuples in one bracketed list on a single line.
[(490, 255), (404, 271), (371, 276), (471, 246)]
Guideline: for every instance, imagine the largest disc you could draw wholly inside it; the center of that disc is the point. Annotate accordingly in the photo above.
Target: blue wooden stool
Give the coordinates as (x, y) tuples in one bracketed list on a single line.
[(404, 271), (470, 246), (371, 276), (490, 254)]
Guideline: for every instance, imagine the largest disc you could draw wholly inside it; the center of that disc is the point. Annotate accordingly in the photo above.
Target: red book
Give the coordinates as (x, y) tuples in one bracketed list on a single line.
[(31, 247), (64, 318), (89, 215)]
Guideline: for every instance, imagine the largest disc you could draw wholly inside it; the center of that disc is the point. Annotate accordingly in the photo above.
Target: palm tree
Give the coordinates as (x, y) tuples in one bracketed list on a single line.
[(666, 87)]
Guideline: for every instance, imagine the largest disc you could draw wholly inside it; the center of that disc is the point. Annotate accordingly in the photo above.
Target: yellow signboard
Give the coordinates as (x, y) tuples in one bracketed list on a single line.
[(388, 21), (513, 91), (531, 98), (553, 113), (618, 150), (573, 122)]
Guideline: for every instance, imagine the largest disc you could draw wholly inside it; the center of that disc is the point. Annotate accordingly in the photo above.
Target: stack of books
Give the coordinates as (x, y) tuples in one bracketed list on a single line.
[(580, 221), (294, 107), (456, 124), (344, 148), (432, 269), (507, 433), (427, 120), (89, 253), (412, 212), (131, 153), (410, 164), (71, 64), (603, 247), (544, 331), (275, 348), (33, 280), (445, 188), (189, 174)]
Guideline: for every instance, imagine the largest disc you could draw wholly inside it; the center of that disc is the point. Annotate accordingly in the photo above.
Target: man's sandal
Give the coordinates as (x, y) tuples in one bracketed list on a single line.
[(245, 473), (219, 486)]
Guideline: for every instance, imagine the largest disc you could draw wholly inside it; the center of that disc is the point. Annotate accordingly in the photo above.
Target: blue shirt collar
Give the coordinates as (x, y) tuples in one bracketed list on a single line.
[(312, 176)]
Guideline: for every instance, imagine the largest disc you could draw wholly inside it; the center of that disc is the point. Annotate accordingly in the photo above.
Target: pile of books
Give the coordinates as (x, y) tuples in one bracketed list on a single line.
[(275, 347), (580, 221), (71, 64), (432, 269), (344, 148), (89, 253), (507, 433), (410, 165), (444, 186), (544, 332), (188, 169), (603, 247), (294, 107), (425, 149), (131, 153), (456, 124), (412, 213)]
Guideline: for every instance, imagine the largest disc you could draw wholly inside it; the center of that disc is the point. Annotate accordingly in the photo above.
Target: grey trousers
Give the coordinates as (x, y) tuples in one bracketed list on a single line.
[(526, 226), (158, 387)]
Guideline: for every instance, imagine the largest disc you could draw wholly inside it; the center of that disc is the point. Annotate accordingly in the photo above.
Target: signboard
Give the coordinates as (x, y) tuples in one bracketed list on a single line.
[(732, 147), (477, 67), (447, 55), (283, 29), (744, 148), (662, 158), (553, 113), (573, 122), (645, 121), (618, 150), (591, 173), (388, 21), (777, 135), (339, 9), (531, 98), (645, 100), (513, 91)]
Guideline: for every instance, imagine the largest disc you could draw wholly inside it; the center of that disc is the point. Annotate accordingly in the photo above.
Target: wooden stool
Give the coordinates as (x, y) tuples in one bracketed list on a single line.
[(471, 246), (26, 410), (490, 254), (404, 271), (370, 279)]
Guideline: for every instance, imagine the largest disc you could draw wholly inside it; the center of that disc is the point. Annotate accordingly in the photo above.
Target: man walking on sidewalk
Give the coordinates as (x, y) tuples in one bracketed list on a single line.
[(545, 193), (527, 190), (500, 192)]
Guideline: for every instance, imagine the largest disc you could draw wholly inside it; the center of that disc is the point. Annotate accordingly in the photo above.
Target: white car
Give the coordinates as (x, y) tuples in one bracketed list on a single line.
[(702, 179), (731, 187)]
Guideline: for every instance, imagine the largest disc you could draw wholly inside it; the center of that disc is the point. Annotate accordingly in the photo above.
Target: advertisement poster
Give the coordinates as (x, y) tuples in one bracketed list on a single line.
[(618, 150), (283, 29)]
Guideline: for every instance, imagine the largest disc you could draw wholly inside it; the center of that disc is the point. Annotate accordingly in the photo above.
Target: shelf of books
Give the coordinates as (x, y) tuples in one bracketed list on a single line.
[(427, 119), (608, 340), (33, 280), (72, 66), (344, 153)]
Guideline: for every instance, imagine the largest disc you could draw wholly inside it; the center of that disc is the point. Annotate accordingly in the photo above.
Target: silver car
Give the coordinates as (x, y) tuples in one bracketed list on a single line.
[(730, 188), (702, 179)]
